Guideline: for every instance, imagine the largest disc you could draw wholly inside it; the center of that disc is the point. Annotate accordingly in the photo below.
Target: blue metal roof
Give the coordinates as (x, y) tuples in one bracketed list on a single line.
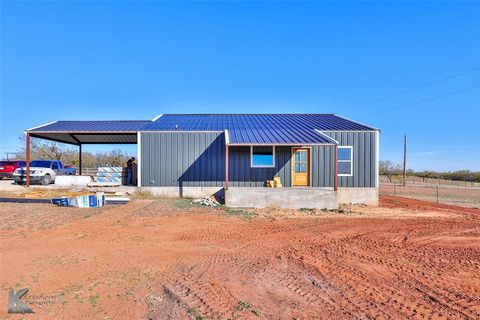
[(268, 136), (92, 126), (261, 128), (220, 122), (242, 128)]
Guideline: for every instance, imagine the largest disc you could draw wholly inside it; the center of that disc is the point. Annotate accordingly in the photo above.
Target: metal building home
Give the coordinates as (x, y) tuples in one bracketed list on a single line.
[(321, 159)]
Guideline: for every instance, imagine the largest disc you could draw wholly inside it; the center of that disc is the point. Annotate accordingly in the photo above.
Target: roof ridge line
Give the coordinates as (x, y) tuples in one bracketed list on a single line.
[(242, 114), (43, 125), (103, 121), (357, 122)]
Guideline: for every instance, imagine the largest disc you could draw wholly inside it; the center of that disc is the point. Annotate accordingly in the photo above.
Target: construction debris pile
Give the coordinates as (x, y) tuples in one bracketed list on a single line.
[(84, 201), (89, 200), (209, 202)]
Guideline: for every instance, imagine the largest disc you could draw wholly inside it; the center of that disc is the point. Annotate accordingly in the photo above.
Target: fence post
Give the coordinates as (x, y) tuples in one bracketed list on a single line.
[(394, 190), (437, 193)]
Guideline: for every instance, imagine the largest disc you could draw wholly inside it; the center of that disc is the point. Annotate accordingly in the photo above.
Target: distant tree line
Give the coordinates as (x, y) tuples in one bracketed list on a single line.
[(48, 150), (393, 171)]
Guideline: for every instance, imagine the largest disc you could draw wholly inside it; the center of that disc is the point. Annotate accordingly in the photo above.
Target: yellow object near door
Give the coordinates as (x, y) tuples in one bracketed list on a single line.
[(300, 166)]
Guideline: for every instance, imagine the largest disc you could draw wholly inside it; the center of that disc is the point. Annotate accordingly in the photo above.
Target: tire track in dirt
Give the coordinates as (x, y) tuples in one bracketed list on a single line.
[(407, 275), (354, 246)]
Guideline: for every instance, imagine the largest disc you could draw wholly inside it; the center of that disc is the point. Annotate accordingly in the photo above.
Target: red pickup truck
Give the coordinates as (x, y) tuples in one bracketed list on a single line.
[(7, 167)]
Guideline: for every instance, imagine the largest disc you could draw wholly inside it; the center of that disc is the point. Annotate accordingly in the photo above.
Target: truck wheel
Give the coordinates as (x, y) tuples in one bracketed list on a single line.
[(46, 180)]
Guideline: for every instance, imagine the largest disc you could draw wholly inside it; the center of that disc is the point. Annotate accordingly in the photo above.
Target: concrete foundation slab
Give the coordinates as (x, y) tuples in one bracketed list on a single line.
[(186, 192), (287, 198), (357, 195)]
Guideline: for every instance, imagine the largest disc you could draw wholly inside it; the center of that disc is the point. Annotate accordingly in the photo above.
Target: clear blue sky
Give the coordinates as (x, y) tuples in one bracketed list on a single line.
[(134, 60)]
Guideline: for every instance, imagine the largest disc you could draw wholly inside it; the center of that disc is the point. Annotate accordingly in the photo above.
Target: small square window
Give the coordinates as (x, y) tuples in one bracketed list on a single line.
[(345, 161), (262, 156)]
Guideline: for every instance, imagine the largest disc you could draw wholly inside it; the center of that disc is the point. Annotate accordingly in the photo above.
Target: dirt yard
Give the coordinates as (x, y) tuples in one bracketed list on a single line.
[(167, 259)]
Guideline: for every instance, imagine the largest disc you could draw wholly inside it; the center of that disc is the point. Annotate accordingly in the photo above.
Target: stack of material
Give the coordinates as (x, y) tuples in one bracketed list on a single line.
[(275, 183), (116, 198), (109, 174), (209, 202), (72, 181), (85, 201)]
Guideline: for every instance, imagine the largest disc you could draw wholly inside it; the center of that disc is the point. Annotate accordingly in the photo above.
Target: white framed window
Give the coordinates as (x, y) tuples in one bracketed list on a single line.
[(262, 156), (345, 161)]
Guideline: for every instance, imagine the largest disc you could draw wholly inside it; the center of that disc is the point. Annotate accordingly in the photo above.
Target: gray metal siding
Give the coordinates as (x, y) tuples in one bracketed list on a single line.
[(198, 159), (242, 175), (322, 171), (182, 159), (364, 157)]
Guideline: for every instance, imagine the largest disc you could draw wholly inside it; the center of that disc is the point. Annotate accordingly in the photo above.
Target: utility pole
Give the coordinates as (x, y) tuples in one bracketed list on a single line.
[(405, 160)]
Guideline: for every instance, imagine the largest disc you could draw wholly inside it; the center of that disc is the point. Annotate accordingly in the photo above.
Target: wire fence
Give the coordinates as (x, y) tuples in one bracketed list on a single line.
[(414, 180), (456, 195)]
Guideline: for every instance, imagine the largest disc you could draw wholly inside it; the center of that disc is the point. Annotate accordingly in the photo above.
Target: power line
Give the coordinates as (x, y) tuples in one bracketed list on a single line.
[(424, 100), (413, 89)]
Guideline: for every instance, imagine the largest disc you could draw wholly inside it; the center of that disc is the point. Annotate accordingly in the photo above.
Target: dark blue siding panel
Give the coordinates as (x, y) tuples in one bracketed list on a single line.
[(322, 166), (198, 159), (242, 175)]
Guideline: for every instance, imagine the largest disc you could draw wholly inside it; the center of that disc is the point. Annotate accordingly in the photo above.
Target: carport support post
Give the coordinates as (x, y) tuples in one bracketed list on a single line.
[(335, 177), (27, 160), (80, 159)]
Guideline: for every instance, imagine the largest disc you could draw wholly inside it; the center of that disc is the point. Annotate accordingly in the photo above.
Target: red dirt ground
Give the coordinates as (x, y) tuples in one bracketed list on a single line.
[(166, 259)]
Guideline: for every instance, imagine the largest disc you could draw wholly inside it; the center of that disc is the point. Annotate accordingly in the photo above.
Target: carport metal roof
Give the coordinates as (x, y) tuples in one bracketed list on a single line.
[(90, 132)]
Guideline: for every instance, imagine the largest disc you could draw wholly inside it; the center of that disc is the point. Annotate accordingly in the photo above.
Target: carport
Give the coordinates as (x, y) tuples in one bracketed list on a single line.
[(79, 133)]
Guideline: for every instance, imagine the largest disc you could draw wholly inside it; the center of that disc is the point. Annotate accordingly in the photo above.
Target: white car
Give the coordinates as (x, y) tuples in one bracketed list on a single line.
[(41, 171)]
